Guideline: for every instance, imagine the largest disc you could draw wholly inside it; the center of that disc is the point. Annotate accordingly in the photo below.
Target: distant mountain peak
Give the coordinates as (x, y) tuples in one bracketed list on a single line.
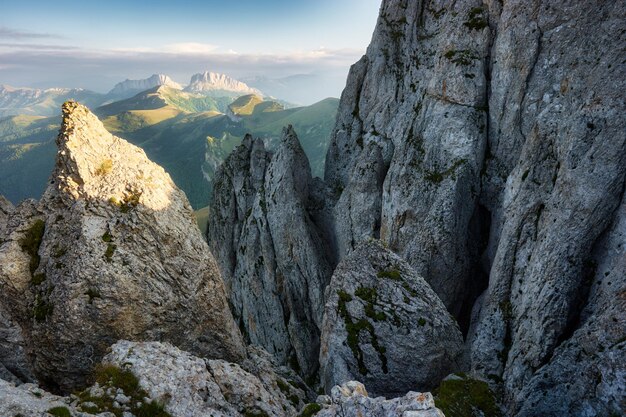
[(212, 81), (155, 80)]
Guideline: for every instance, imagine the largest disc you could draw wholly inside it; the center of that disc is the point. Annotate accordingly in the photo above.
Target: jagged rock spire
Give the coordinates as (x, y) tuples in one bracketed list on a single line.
[(118, 256)]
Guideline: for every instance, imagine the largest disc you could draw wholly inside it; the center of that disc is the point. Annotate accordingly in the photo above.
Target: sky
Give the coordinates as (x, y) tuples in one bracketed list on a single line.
[(95, 44)]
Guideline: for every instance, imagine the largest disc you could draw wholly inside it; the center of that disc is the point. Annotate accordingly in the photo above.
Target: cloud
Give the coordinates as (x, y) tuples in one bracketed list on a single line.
[(100, 69), (9, 33), (35, 46), (189, 48)]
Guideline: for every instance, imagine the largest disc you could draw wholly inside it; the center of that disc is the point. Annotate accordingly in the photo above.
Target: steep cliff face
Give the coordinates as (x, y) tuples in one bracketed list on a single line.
[(484, 143), (419, 95), (270, 249), (504, 159), (553, 183), (110, 252)]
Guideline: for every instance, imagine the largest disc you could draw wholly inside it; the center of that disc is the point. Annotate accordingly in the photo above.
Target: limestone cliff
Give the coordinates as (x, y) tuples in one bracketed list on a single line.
[(504, 159), (484, 143), (111, 251), (274, 260)]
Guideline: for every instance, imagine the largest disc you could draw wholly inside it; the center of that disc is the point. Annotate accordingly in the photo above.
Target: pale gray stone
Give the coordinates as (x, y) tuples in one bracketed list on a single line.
[(405, 338), (120, 257)]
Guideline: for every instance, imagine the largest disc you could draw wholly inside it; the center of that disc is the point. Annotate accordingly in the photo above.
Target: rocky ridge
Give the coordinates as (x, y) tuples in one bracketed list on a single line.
[(208, 82), (261, 199), (110, 252), (483, 146), (129, 87)]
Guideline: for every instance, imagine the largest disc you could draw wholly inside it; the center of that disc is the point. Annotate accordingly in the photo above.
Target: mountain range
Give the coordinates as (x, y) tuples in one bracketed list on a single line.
[(46, 102), (466, 240)]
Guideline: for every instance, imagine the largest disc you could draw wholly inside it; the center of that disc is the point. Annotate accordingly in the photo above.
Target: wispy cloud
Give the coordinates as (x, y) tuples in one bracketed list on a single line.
[(31, 46), (15, 34), (99, 69)]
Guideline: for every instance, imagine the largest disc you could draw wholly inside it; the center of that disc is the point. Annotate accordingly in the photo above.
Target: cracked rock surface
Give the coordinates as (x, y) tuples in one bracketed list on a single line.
[(111, 251), (483, 142), (271, 251), (385, 326)]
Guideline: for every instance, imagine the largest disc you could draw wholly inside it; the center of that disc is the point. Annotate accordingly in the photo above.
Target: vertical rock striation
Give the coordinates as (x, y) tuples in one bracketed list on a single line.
[(419, 96), (270, 249), (498, 122), (484, 143)]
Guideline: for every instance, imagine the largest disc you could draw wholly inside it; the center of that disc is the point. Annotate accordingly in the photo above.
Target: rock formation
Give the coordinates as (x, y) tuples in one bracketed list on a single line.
[(159, 380), (190, 386), (351, 400), (269, 248), (110, 252), (484, 144), (129, 88), (384, 326), (215, 83)]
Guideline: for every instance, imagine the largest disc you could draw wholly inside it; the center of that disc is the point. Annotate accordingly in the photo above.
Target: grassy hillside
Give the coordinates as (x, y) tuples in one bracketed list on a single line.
[(190, 145)]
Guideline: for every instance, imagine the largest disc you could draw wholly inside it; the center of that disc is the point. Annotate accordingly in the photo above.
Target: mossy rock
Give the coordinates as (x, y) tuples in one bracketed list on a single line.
[(60, 412), (462, 396), (310, 410), (112, 376), (31, 241)]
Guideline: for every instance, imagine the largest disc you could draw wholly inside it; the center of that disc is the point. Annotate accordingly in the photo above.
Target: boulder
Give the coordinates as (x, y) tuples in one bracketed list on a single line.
[(351, 400), (385, 327)]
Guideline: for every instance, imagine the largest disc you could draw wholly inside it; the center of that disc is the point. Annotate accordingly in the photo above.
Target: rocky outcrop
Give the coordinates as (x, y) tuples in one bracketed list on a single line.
[(215, 83), (110, 252), (158, 379), (484, 144), (384, 326), (263, 233), (128, 88), (28, 400), (351, 400), (503, 165), (190, 386), (5, 209), (408, 146), (14, 365)]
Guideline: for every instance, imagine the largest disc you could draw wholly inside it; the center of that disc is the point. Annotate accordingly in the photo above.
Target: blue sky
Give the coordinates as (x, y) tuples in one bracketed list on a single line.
[(92, 44)]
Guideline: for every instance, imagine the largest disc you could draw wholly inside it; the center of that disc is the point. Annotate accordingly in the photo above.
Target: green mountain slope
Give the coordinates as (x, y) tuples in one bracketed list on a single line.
[(183, 132)]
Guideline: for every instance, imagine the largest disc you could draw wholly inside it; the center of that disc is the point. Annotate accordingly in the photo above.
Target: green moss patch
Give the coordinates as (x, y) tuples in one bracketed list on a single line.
[(462, 57), (108, 254), (38, 279), (476, 19), (42, 308), (130, 201), (59, 412), (437, 176), (31, 241), (354, 329), (392, 274), (112, 376), (310, 410), (105, 167), (466, 397)]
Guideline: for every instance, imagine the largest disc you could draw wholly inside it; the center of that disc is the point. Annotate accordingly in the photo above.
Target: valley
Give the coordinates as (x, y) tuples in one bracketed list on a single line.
[(188, 133)]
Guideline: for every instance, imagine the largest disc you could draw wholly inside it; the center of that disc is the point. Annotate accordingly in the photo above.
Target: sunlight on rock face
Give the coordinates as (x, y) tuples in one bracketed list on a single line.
[(100, 166)]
